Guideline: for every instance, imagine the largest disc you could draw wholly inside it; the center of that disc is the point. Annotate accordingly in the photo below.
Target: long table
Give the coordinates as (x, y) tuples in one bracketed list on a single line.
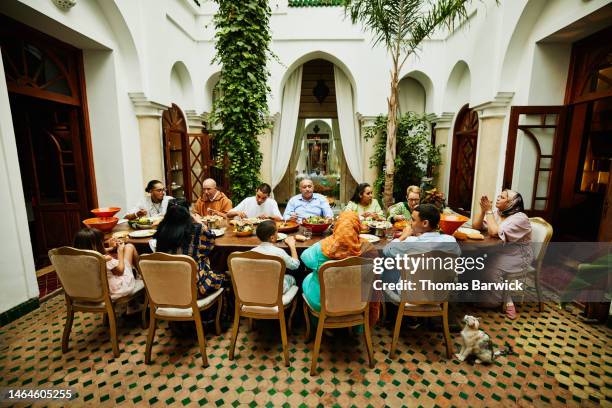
[(229, 242)]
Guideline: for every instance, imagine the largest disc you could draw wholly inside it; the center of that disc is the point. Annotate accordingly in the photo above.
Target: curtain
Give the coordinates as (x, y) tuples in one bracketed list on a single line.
[(283, 133), (295, 154), (348, 125)]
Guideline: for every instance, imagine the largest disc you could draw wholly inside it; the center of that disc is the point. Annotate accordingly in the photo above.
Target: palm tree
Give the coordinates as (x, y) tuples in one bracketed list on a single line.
[(401, 26)]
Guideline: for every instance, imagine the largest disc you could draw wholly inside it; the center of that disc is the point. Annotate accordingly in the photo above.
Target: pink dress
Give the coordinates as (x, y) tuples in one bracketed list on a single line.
[(510, 259), (120, 285)]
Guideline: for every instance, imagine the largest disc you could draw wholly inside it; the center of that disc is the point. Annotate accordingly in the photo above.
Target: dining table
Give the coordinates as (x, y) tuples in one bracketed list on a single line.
[(229, 242)]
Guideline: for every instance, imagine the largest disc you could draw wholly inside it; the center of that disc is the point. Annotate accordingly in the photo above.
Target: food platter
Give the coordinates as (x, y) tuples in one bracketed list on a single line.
[(370, 238), (287, 226), (142, 233)]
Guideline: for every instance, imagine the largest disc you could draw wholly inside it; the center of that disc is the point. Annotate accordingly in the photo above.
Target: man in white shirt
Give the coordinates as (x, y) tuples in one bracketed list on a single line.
[(420, 237), (154, 204), (267, 233), (258, 206)]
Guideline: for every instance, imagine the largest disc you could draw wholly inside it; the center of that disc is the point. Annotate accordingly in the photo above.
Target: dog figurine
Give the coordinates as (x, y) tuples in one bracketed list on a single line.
[(478, 343)]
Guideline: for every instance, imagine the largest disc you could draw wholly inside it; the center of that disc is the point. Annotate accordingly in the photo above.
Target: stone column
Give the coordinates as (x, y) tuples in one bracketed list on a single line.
[(150, 132), (443, 136), (491, 150)]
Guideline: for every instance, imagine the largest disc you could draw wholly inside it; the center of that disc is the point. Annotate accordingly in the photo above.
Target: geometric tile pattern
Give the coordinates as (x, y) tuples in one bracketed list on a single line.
[(560, 361)]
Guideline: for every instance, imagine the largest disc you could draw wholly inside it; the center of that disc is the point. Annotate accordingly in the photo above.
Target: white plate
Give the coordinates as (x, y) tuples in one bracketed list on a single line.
[(122, 221), (218, 232), (142, 233), (281, 236), (369, 237), (467, 230)]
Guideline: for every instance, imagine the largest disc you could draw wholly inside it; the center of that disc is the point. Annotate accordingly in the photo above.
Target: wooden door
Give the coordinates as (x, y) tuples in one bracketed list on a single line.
[(537, 132), (48, 102), (463, 160), (52, 168), (176, 152), (605, 227)]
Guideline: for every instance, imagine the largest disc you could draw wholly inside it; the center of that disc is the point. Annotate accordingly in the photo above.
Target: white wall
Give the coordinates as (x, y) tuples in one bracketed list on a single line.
[(17, 274)]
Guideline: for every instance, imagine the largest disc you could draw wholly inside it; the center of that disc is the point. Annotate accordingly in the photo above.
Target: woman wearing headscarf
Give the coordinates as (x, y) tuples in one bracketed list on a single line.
[(344, 243), (509, 222)]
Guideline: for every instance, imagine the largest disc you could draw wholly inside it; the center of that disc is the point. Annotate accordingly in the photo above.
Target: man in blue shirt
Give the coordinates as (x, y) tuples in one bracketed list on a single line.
[(307, 204)]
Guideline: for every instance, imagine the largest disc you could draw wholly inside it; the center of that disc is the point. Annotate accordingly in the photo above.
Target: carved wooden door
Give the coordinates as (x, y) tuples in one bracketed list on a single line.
[(176, 153), (463, 160), (46, 87), (52, 171)]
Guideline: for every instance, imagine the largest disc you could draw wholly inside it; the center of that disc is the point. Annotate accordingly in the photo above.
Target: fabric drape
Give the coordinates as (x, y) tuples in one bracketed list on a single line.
[(348, 124), (297, 149), (283, 134)]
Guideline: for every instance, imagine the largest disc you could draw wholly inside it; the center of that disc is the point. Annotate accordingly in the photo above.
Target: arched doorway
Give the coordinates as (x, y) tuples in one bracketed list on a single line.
[(313, 97), (463, 160), (47, 97)]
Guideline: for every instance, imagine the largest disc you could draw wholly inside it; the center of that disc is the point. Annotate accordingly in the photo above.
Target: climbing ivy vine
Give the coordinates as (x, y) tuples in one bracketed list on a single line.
[(242, 44)]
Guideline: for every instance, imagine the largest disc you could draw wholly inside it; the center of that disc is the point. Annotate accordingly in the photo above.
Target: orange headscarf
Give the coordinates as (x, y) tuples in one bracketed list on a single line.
[(345, 240)]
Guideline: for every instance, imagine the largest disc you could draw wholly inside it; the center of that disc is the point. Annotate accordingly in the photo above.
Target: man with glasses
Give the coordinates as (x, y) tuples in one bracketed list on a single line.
[(154, 204), (402, 211)]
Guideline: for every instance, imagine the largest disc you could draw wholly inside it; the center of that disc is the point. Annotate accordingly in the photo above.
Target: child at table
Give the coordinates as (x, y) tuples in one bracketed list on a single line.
[(119, 271), (267, 233)]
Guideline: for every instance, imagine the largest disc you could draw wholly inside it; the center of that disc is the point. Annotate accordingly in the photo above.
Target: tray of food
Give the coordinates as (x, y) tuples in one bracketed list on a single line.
[(287, 226)]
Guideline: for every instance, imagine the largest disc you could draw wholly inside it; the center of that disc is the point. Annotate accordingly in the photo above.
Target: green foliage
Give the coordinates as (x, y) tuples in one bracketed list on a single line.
[(242, 43), (415, 153)]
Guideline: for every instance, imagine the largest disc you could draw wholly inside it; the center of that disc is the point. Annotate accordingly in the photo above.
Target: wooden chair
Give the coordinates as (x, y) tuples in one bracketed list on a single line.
[(83, 277), (345, 289), (257, 280), (541, 234), (420, 303), (171, 284)]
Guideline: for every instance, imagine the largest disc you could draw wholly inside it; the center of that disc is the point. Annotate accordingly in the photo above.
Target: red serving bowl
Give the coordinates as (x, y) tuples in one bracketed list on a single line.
[(105, 224), (316, 228), (105, 212), (450, 223)]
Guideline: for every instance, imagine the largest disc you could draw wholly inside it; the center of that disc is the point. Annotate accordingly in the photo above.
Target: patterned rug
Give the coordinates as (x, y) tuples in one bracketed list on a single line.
[(560, 361)]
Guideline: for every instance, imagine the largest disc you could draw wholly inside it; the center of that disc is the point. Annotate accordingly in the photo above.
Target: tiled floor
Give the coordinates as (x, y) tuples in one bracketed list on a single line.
[(560, 361)]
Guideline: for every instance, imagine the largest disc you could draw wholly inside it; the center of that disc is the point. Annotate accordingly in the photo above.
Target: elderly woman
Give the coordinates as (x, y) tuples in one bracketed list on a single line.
[(509, 222), (364, 204), (403, 210), (154, 204), (344, 242)]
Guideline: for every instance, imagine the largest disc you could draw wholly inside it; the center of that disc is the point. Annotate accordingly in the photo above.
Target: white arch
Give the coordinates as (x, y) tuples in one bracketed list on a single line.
[(427, 84), (125, 43), (211, 82), (458, 87), (514, 52), (181, 86)]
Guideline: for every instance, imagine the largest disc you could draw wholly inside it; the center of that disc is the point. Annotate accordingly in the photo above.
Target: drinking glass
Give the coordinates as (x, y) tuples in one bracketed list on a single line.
[(307, 233), (389, 233)]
